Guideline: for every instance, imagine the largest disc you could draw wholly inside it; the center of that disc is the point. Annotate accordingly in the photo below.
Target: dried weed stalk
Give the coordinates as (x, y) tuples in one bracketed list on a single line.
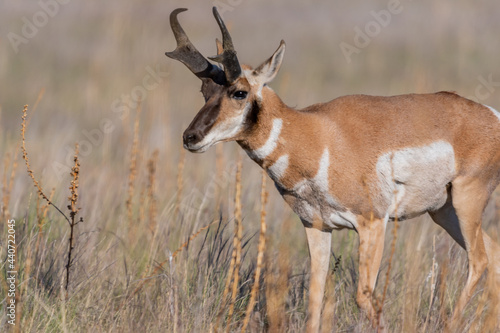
[(180, 180), (151, 190), (28, 167), (133, 167), (277, 288), (260, 251), (233, 274), (73, 198), (75, 171), (7, 186), (238, 228)]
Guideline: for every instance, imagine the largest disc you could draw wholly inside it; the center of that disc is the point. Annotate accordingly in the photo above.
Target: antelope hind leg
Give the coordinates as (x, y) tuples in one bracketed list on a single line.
[(447, 218), (469, 198)]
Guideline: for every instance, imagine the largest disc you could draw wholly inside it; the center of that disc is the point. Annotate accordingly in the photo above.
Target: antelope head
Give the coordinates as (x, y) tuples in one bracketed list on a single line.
[(232, 92)]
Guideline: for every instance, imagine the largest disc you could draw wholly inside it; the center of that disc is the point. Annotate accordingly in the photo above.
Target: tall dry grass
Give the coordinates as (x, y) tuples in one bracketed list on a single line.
[(260, 252), (156, 246)]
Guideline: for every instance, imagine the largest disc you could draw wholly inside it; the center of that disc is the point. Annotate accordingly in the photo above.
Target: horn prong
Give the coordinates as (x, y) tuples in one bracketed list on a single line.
[(187, 53), (228, 56)]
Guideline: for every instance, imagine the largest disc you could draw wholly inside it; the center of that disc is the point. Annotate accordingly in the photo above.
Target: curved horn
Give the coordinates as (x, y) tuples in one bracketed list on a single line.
[(187, 53), (228, 57)]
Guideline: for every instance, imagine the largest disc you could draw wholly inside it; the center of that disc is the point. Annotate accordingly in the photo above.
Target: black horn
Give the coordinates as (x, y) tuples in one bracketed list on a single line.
[(228, 57), (187, 53)]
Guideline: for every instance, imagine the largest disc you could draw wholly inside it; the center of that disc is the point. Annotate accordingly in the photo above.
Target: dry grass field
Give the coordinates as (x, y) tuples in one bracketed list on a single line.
[(94, 73)]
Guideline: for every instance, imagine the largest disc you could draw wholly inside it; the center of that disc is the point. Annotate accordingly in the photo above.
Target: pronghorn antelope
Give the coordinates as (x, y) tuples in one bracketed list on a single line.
[(355, 162)]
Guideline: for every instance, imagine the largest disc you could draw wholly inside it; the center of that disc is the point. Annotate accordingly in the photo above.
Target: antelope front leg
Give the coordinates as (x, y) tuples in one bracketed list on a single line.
[(319, 250), (371, 246)]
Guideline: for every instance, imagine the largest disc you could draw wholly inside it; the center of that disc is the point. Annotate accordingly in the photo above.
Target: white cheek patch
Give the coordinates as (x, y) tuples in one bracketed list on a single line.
[(495, 112), (226, 129), (413, 180), (271, 143), (278, 169)]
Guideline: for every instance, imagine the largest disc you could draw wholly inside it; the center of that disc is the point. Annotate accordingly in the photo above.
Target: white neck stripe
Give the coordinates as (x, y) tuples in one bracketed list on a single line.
[(278, 169), (271, 142)]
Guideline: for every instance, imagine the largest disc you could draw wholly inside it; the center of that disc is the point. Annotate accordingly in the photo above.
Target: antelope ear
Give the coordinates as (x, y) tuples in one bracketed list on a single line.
[(266, 72)]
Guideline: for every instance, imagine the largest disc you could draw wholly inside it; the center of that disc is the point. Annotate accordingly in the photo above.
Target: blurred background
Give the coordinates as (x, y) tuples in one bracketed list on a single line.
[(82, 67), (87, 58)]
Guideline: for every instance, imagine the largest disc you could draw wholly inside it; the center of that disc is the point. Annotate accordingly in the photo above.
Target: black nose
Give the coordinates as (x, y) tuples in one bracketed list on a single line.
[(191, 137)]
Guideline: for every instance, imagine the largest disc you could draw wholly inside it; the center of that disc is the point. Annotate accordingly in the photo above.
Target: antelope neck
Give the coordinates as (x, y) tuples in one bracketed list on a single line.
[(281, 138), (265, 137)]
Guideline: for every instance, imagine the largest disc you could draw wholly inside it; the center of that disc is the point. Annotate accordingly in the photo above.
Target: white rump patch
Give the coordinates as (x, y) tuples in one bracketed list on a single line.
[(495, 112), (413, 180), (272, 141), (277, 170)]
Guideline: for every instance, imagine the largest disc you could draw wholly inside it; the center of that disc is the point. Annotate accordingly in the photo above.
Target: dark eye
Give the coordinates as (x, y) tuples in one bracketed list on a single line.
[(240, 94)]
